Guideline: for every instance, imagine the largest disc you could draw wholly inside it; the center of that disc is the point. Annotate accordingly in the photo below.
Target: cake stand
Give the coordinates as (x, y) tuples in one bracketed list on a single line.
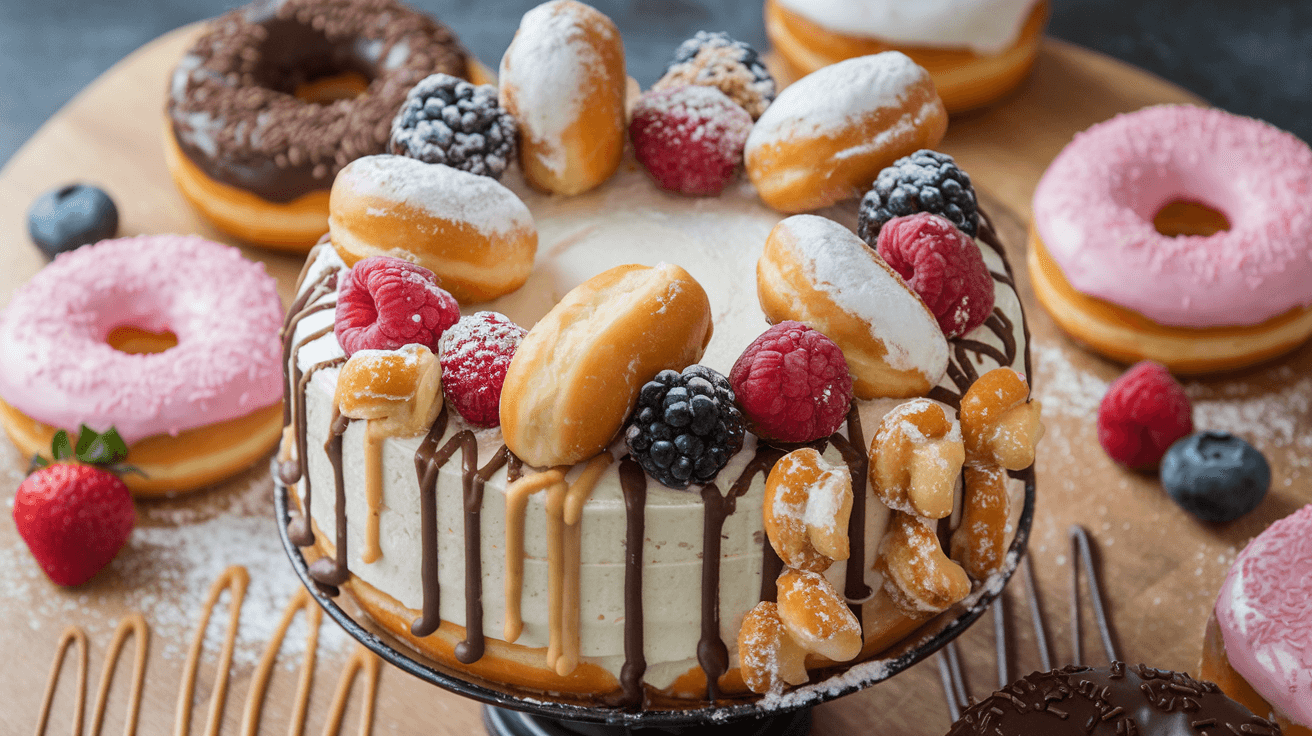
[(515, 712)]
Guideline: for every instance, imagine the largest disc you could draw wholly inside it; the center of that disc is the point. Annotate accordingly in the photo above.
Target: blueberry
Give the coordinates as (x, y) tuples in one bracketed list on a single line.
[(1215, 475), (72, 216)]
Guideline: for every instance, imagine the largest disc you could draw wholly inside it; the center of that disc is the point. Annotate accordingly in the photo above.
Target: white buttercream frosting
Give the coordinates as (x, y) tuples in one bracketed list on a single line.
[(983, 26)]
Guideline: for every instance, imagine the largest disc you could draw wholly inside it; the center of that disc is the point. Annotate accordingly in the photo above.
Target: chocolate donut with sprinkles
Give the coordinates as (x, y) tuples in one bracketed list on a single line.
[(269, 104)]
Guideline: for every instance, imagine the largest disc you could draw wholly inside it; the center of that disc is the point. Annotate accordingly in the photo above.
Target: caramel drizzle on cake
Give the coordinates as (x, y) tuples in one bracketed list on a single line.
[(233, 581)]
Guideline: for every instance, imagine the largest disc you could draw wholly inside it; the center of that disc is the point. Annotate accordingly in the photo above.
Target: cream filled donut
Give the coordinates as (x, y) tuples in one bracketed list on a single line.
[(1260, 639), (1196, 303), (172, 340)]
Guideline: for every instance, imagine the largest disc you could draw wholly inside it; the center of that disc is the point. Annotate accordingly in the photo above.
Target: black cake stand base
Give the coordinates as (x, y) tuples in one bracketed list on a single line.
[(505, 722)]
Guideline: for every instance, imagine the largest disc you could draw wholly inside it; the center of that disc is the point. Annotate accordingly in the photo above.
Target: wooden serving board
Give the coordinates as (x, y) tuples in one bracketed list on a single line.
[(1161, 567)]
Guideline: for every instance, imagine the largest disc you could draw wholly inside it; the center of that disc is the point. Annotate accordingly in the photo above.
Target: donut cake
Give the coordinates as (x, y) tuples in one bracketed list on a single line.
[(546, 539)]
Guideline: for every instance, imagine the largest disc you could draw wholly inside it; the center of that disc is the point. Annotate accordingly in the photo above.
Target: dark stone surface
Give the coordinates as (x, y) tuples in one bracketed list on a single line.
[(1252, 61)]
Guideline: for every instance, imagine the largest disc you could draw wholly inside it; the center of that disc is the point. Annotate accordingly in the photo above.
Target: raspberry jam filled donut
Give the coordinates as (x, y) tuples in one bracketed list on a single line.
[(976, 50), (1178, 234), (277, 97), (172, 340)]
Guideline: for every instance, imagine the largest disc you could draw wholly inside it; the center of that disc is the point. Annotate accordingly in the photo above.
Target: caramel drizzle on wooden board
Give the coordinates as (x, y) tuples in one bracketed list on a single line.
[(233, 581)]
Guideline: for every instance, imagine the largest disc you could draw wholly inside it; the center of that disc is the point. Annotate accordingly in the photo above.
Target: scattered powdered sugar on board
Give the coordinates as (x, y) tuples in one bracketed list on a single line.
[(1061, 386)]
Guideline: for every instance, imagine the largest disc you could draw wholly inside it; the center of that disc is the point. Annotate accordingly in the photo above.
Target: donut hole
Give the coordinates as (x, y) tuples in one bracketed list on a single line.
[(299, 60), (1185, 217), (138, 341)]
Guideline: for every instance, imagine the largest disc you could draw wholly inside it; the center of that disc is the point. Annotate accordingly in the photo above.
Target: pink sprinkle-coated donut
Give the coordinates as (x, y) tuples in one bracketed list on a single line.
[(1094, 210), (224, 310), (1264, 611)]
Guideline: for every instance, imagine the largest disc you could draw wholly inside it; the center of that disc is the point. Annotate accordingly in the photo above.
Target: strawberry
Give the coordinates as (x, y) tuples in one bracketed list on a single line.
[(76, 514)]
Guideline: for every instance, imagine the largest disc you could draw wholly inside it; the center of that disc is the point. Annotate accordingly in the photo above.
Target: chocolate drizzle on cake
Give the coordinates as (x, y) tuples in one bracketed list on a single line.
[(334, 572), (633, 482), (428, 460), (471, 649)]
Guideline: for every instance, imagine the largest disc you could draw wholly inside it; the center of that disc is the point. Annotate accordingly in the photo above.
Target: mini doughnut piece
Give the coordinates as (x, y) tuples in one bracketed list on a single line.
[(399, 390), (828, 135), (767, 655), (817, 272), (919, 579), (575, 378), (472, 232), (917, 455), (563, 79), (816, 617), (808, 502)]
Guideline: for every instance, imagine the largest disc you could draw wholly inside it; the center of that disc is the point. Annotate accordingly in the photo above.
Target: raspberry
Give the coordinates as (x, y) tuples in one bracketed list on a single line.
[(685, 427), (792, 383), (385, 303), (1144, 411), (475, 355), (689, 137), (944, 266)]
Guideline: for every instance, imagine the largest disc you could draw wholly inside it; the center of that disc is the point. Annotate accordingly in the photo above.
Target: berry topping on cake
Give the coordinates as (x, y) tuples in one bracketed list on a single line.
[(685, 427), (733, 67), (943, 266), (384, 303), (793, 384), (70, 217), (925, 181), (446, 120), (1215, 475), (475, 354), (1144, 411), (76, 514), (689, 137)]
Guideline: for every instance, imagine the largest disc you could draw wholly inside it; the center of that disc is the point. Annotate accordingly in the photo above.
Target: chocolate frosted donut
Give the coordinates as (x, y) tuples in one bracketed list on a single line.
[(1120, 700), (262, 103)]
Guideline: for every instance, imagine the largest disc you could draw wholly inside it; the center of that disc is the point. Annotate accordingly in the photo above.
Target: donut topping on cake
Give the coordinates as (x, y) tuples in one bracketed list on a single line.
[(718, 60), (446, 120), (384, 303)]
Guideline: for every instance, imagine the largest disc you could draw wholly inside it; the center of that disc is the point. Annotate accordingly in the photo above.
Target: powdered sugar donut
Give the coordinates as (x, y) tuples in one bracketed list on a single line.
[(1192, 302), (192, 413), (1264, 617)]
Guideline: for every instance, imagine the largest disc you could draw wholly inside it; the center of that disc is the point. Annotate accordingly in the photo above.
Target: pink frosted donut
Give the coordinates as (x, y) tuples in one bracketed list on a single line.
[(1264, 611), (58, 368), (1094, 209)]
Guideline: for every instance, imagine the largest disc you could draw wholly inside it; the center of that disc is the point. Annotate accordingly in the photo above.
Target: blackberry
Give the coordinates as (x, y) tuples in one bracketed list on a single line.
[(717, 60), (446, 120), (925, 181), (685, 427)]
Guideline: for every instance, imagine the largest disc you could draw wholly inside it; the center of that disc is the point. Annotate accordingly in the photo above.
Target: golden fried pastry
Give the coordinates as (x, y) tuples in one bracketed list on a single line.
[(808, 501), (473, 233), (767, 655), (400, 391), (1000, 426), (818, 272), (919, 579), (576, 375), (816, 617), (916, 456), (825, 138), (563, 79)]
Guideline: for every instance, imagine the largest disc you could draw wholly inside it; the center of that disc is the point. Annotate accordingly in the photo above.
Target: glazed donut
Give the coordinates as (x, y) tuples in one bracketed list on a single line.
[(563, 79), (1257, 644), (191, 414), (575, 377), (826, 137), (1195, 303), (975, 51), (817, 272), (808, 502), (277, 97), (472, 232)]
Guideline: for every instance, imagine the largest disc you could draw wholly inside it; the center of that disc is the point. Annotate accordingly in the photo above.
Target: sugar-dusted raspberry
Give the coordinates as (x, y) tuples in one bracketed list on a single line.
[(943, 265), (792, 383), (1144, 411), (384, 303), (475, 355), (690, 137)]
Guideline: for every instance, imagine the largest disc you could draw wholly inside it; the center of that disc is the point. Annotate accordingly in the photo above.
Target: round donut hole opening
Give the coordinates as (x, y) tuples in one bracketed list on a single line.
[(136, 341), (1183, 217), (297, 59)]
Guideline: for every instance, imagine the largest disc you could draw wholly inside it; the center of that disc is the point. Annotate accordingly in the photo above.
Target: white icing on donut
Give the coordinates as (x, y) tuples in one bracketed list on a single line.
[(983, 26)]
